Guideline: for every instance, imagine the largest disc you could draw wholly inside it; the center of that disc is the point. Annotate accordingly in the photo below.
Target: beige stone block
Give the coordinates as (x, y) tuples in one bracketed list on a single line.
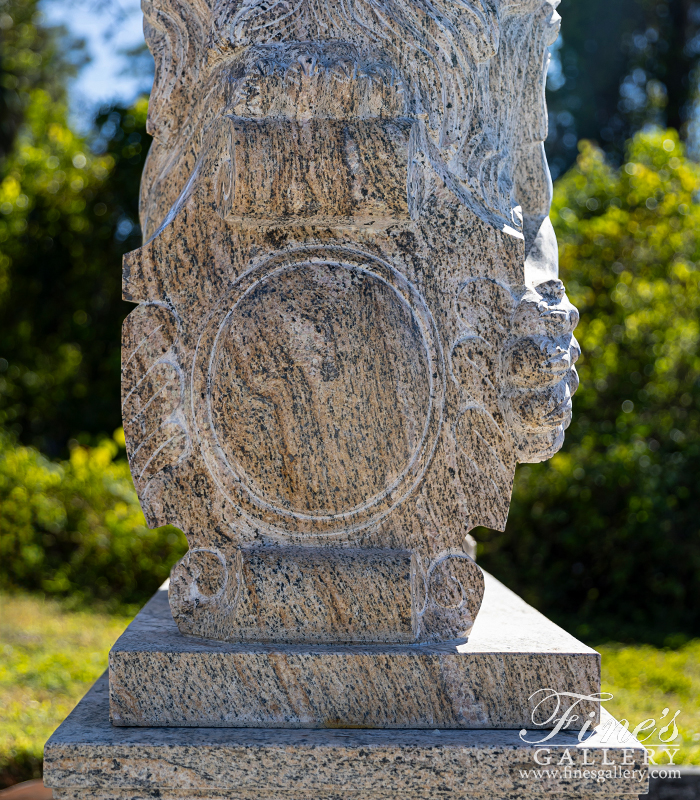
[(160, 677), (319, 595)]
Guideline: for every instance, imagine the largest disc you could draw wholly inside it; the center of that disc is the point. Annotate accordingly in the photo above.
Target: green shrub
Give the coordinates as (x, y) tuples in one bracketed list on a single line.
[(75, 529), (644, 681), (605, 537), (67, 215)]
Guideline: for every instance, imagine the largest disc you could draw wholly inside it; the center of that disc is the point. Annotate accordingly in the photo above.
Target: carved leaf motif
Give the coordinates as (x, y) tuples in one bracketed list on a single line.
[(176, 32), (474, 367), (155, 397), (147, 335), (486, 307), (152, 393)]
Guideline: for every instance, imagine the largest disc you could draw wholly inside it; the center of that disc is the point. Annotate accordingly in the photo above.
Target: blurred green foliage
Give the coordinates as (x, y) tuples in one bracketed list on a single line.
[(67, 214), (74, 528), (28, 60), (647, 673), (605, 537), (645, 681), (618, 67), (68, 211)]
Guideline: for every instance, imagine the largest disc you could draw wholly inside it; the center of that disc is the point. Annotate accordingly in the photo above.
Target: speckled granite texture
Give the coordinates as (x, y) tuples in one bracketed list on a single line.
[(350, 326), (160, 677), (300, 594), (89, 758)]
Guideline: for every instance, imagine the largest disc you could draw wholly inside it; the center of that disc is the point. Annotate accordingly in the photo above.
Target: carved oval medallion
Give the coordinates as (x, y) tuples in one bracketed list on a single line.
[(320, 389)]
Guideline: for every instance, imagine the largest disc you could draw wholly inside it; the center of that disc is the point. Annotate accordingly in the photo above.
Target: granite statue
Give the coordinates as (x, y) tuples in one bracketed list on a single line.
[(350, 326), (349, 330)]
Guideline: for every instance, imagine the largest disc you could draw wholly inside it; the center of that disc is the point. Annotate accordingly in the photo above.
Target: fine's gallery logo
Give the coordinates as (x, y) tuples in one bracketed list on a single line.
[(562, 711), (606, 751)]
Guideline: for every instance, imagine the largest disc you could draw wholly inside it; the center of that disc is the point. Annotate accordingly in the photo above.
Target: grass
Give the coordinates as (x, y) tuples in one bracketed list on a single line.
[(644, 681), (49, 656)]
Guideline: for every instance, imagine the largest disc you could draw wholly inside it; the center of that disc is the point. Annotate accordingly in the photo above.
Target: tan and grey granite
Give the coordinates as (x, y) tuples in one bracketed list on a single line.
[(298, 594), (89, 758), (160, 677), (350, 327), (349, 330)]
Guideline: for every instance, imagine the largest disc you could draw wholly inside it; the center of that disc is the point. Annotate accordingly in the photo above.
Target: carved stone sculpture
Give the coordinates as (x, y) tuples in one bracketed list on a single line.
[(350, 327), (349, 331)]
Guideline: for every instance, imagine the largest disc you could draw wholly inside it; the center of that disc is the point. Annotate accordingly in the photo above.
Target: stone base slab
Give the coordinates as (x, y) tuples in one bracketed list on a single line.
[(160, 677), (89, 758)]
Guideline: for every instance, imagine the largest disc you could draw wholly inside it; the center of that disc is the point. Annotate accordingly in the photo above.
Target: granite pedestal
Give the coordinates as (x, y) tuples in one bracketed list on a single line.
[(158, 676), (88, 757), (208, 719)]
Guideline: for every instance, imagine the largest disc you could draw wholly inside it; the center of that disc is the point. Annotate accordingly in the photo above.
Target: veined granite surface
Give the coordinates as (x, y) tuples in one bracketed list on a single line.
[(298, 595), (89, 758), (158, 676), (349, 326)]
